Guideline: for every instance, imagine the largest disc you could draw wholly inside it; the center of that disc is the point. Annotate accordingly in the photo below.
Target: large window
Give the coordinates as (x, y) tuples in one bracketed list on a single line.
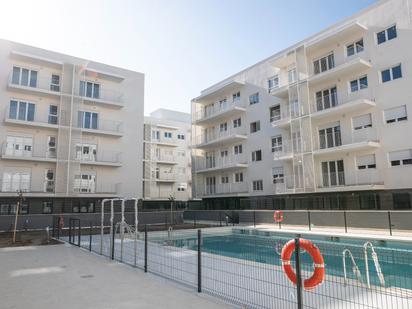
[(257, 155), (323, 64), (396, 114), (24, 77), (354, 48), (254, 98), (87, 120), (386, 35), (15, 181), (277, 143), (84, 183), (55, 83), (254, 126), (89, 89), (273, 82), (359, 84), (330, 137), (19, 146), (391, 73), (53, 116), (238, 149), (401, 157), (326, 98), (236, 96), (292, 75), (278, 175), (274, 113), (257, 185), (333, 173), (239, 177), (86, 152), (237, 122), (21, 110), (401, 201), (10, 209)]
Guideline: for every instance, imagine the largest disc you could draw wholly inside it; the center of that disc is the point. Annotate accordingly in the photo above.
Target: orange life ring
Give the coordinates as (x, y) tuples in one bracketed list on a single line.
[(278, 216), (319, 264)]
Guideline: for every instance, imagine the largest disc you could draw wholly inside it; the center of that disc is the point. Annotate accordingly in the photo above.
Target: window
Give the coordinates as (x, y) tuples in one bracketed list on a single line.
[(255, 126), (51, 147), (237, 123), (84, 183), (53, 114), (391, 74), (333, 173), (254, 98), (257, 185), (273, 82), (223, 104), (167, 134), (278, 175), (274, 113), (238, 149), (330, 137), (87, 120), (236, 96), (83, 206), (55, 83), (401, 201), (402, 157), (86, 152), (223, 127), (89, 89), (239, 177), (181, 136), (14, 181), (47, 207), (326, 98), (359, 84), (10, 209), (257, 155), (395, 114), (24, 77), (182, 186), (292, 75), (277, 143), (224, 153), (362, 122), (366, 162), (19, 146), (354, 48), (49, 180), (386, 35), (21, 110), (156, 135), (323, 64), (225, 179)]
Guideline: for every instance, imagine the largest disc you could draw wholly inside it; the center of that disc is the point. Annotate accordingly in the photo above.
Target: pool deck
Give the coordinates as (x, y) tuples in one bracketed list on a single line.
[(62, 276)]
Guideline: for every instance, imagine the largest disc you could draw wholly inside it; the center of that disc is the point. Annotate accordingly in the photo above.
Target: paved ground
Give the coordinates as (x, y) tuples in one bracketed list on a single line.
[(61, 276)]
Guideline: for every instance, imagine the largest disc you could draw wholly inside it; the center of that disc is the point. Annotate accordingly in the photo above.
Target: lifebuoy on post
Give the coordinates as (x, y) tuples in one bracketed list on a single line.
[(319, 264), (278, 216)]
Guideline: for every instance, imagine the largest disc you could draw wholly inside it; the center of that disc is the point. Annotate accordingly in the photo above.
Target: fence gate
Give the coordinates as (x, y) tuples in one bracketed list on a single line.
[(74, 231)]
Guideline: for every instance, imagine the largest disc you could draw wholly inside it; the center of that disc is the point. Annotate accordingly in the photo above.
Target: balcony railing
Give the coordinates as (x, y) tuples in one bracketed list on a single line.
[(356, 178), (41, 83), (99, 156), (105, 125), (36, 151), (81, 186), (13, 186), (220, 162), (216, 109), (165, 158), (103, 94), (166, 177), (217, 134), (225, 188), (35, 120), (337, 139)]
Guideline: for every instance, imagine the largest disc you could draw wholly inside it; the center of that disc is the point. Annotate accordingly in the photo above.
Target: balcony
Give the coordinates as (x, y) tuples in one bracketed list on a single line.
[(219, 111), (353, 66), (215, 137), (280, 91), (335, 104), (10, 187), (103, 127), (282, 120), (163, 141), (104, 96), (164, 159), (350, 181), (284, 151), (225, 189), (42, 85), (362, 139), (213, 92), (37, 152), (165, 177), (99, 158), (204, 165), (84, 187), (37, 121)]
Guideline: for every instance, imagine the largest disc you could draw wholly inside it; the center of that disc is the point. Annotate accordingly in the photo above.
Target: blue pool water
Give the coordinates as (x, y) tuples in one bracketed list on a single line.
[(395, 258)]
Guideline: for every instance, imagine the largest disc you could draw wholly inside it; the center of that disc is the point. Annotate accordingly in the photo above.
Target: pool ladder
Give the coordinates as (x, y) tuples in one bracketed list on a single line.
[(356, 269)]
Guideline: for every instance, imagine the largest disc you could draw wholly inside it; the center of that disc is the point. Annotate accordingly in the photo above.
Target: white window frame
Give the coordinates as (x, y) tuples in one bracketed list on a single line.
[(354, 45), (358, 84), (390, 69), (274, 80), (397, 119), (29, 76)]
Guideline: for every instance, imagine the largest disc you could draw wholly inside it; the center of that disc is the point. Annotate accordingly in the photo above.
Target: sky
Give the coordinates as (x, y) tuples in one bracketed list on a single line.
[(182, 46)]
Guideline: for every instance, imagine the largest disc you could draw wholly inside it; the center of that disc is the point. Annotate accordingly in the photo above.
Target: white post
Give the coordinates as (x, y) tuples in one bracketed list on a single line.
[(135, 230), (122, 230), (102, 226)]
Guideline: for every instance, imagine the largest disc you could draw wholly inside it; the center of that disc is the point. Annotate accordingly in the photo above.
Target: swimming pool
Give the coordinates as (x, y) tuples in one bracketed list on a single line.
[(395, 258)]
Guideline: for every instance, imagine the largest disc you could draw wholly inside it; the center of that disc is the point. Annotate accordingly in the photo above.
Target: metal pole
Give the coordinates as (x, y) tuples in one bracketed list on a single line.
[(90, 236), (199, 261), (254, 219), (220, 218), (70, 230), (390, 223), (194, 220), (233, 218), (346, 223), (298, 274), (113, 233), (145, 248), (79, 236), (309, 225)]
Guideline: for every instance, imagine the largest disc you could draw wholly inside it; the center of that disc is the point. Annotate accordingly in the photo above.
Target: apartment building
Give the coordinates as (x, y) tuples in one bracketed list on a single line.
[(167, 156), (69, 131), (323, 124)]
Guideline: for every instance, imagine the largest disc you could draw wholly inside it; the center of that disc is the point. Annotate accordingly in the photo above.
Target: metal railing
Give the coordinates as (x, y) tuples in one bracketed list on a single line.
[(102, 156), (219, 161), (41, 83), (336, 139), (224, 188), (12, 186), (35, 151), (38, 118), (216, 109), (215, 134)]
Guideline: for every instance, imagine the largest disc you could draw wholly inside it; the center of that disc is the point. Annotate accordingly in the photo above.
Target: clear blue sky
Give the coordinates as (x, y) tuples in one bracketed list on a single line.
[(182, 46)]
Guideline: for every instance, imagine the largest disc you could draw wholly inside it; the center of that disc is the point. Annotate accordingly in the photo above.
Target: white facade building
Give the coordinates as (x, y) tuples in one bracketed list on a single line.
[(167, 156), (324, 122), (69, 130)]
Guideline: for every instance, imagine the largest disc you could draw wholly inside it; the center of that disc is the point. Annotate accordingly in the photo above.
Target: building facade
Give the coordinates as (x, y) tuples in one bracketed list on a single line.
[(322, 124), (167, 156), (69, 131)]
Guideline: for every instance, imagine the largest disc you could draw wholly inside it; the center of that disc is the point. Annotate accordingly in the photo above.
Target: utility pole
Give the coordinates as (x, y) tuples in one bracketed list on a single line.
[(19, 202)]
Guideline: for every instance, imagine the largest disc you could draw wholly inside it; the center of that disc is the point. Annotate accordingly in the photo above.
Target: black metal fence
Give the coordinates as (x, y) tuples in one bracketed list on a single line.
[(243, 266)]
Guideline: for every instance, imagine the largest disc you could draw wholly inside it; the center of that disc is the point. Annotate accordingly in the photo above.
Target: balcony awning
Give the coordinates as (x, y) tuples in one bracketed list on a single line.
[(213, 91), (335, 35)]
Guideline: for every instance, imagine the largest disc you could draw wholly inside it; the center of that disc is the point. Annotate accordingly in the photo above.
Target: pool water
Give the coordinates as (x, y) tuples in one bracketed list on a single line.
[(395, 258)]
